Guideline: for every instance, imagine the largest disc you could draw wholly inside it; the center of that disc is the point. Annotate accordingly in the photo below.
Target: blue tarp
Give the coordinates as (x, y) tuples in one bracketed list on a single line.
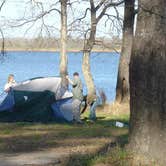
[(63, 109), (7, 101)]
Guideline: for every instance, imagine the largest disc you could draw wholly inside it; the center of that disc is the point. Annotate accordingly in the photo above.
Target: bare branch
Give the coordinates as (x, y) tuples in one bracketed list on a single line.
[(40, 16), (71, 3), (2, 4), (81, 18), (100, 4), (112, 4)]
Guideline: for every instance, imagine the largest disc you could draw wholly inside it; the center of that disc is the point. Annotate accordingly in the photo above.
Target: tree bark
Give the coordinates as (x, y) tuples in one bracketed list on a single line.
[(148, 82), (122, 90), (88, 46), (87, 74), (63, 50)]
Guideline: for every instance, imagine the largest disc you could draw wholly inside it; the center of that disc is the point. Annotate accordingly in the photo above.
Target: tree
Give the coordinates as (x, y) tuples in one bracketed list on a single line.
[(97, 12), (122, 90), (88, 46), (148, 82), (63, 51)]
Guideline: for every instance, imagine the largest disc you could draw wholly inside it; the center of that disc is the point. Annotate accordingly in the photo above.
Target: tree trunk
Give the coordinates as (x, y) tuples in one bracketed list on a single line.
[(88, 46), (122, 90), (148, 82), (87, 74), (63, 50)]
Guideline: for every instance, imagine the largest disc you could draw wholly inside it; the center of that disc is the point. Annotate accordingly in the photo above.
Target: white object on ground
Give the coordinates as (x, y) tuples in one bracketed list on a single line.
[(119, 124)]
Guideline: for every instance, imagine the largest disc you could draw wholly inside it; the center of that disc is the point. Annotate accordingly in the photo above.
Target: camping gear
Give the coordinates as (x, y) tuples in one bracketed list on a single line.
[(45, 93)]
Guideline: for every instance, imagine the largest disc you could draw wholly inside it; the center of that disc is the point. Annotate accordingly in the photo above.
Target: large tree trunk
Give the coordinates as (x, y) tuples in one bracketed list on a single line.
[(88, 46), (63, 50), (122, 90), (148, 82)]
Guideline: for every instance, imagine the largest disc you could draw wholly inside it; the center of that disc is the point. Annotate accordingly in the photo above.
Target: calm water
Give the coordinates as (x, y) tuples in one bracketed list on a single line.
[(25, 65)]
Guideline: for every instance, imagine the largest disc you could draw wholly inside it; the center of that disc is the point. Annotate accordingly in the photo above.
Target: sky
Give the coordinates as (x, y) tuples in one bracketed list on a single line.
[(14, 10)]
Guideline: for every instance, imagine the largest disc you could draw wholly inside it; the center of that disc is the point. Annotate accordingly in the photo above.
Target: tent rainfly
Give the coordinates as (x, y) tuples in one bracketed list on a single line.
[(46, 90)]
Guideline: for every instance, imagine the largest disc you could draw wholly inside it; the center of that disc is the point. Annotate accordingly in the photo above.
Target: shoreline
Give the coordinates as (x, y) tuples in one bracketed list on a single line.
[(56, 50)]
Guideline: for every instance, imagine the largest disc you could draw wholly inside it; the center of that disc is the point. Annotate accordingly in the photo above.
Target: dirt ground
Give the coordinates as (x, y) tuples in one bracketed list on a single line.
[(52, 156)]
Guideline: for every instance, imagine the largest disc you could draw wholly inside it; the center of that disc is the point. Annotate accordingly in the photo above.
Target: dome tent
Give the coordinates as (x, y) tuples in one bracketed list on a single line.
[(35, 95)]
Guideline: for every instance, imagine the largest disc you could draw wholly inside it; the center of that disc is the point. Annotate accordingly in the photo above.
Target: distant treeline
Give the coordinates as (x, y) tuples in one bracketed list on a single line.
[(52, 44)]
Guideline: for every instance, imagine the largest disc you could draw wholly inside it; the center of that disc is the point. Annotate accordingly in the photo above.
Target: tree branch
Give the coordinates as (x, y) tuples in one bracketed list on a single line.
[(2, 4), (81, 18), (112, 4), (100, 4), (36, 18)]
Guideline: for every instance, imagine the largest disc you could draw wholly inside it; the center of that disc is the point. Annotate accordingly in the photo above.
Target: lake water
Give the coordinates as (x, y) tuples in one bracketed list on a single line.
[(25, 65)]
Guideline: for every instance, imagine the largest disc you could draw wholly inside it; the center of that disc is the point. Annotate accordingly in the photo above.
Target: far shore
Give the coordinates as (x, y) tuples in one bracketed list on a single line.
[(56, 50)]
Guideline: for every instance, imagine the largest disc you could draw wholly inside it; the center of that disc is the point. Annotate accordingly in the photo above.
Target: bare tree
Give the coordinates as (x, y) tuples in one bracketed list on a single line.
[(147, 83), (97, 12), (122, 90)]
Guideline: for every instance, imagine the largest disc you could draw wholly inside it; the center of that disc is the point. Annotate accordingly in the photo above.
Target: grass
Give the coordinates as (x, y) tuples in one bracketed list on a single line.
[(99, 142), (116, 156)]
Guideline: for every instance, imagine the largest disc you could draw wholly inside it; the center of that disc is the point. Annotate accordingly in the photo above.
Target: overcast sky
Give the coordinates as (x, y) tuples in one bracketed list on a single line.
[(16, 9)]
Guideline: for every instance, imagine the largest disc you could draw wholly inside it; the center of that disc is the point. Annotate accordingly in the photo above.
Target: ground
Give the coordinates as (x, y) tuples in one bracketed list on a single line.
[(56, 144)]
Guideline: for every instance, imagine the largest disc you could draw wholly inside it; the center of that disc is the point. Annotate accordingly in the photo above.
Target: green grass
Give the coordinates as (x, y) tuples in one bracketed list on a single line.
[(110, 153), (115, 156), (29, 136)]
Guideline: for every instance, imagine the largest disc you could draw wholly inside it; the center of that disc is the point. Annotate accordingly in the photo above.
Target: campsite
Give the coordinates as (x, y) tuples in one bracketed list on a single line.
[(36, 122), (82, 83)]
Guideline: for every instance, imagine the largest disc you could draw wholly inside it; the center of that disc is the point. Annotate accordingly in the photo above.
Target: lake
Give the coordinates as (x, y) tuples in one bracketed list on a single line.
[(25, 65)]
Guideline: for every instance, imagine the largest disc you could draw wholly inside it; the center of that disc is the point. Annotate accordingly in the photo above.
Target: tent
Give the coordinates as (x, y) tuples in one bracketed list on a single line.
[(34, 95)]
